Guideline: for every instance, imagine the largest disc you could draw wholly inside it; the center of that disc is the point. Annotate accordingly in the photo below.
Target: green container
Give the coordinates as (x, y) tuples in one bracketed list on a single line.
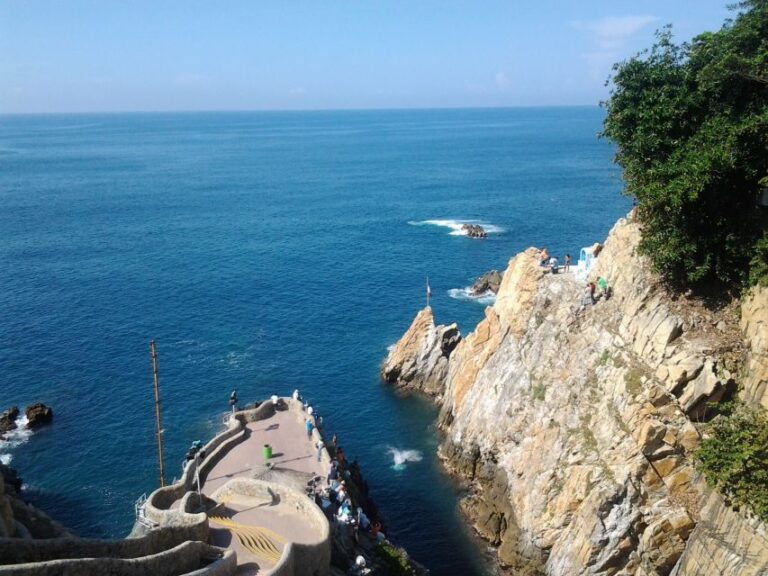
[(267, 451)]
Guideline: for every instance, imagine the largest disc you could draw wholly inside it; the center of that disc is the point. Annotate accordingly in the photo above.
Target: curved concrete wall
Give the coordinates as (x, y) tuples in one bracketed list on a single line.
[(182, 559), (21, 550), (224, 566), (177, 526), (297, 558), (261, 412), (160, 501)]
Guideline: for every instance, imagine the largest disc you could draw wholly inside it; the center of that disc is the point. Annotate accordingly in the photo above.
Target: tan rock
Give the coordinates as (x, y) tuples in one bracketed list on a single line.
[(472, 353), (573, 492), (754, 323), (706, 387), (518, 290), (724, 542), (663, 541), (650, 436), (419, 360), (599, 475)]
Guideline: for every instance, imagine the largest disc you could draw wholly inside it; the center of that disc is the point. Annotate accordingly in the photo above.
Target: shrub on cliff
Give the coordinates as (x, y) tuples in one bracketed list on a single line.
[(734, 457), (691, 126)]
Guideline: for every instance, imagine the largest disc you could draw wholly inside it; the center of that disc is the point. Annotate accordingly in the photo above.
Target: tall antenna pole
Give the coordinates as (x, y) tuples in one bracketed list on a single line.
[(158, 427)]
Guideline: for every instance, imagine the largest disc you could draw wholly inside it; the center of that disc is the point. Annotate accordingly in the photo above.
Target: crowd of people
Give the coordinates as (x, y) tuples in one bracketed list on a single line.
[(334, 498)]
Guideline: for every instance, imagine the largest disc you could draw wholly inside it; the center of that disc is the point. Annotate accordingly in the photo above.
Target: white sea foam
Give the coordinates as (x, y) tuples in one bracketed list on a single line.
[(401, 457), (456, 226), (487, 298), (235, 359), (14, 439)]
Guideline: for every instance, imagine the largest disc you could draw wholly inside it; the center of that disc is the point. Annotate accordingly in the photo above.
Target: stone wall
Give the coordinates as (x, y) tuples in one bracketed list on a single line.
[(184, 558), (298, 559), (21, 550), (224, 566)]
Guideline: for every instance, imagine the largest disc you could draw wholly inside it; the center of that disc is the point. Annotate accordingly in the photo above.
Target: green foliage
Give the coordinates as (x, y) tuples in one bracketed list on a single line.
[(734, 458), (691, 125), (394, 561), (633, 383), (538, 391), (758, 273)]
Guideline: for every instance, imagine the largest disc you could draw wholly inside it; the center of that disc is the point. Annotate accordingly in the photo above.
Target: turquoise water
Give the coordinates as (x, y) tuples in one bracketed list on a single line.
[(264, 252)]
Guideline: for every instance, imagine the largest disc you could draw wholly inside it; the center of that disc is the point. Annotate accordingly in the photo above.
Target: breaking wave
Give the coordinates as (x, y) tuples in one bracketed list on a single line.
[(13, 439), (401, 457), (456, 226), (487, 298)]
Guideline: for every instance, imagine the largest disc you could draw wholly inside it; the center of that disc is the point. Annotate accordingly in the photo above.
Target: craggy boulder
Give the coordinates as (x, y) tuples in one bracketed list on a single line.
[(38, 415), (419, 360)]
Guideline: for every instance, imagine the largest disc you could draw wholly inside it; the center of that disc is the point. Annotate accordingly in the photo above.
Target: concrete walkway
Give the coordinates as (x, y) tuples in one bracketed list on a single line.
[(258, 529)]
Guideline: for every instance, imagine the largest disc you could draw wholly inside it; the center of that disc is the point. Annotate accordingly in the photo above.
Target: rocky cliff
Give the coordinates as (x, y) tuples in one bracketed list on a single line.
[(419, 360), (575, 425), (19, 519)]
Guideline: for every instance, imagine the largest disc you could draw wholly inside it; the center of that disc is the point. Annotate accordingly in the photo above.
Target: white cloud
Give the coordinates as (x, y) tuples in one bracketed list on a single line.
[(613, 32), (502, 81)]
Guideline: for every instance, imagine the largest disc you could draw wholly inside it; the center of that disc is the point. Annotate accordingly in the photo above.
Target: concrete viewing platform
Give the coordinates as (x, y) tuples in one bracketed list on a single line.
[(261, 504), (258, 524), (292, 449), (258, 510)]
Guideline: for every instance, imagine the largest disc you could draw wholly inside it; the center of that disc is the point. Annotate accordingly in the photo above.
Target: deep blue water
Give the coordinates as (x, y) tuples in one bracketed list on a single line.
[(264, 252)]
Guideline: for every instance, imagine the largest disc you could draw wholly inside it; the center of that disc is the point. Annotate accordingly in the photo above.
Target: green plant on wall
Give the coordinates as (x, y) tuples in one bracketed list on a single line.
[(734, 457)]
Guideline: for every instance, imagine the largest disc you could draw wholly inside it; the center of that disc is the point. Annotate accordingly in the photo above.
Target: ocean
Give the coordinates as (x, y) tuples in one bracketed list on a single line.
[(264, 251)]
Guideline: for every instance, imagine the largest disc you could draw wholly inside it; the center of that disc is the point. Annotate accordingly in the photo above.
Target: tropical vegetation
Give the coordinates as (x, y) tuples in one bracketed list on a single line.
[(690, 122)]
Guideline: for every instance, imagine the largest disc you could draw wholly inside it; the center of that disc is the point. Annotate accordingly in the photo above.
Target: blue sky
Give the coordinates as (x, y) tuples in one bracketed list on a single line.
[(80, 56)]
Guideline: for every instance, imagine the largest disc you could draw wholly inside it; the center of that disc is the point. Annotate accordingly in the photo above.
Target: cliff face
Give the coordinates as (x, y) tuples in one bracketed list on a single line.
[(754, 322), (575, 424), (19, 519), (419, 360)]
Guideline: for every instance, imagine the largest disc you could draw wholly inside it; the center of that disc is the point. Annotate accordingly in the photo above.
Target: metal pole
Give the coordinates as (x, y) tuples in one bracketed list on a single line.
[(158, 427)]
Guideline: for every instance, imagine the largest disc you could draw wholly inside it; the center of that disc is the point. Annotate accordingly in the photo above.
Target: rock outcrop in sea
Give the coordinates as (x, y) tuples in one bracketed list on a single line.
[(575, 426), (419, 360), (8, 420), (488, 282), (38, 414), (474, 230)]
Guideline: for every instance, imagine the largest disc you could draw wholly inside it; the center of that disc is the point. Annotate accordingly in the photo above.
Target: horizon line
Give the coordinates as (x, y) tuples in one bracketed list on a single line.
[(291, 110)]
